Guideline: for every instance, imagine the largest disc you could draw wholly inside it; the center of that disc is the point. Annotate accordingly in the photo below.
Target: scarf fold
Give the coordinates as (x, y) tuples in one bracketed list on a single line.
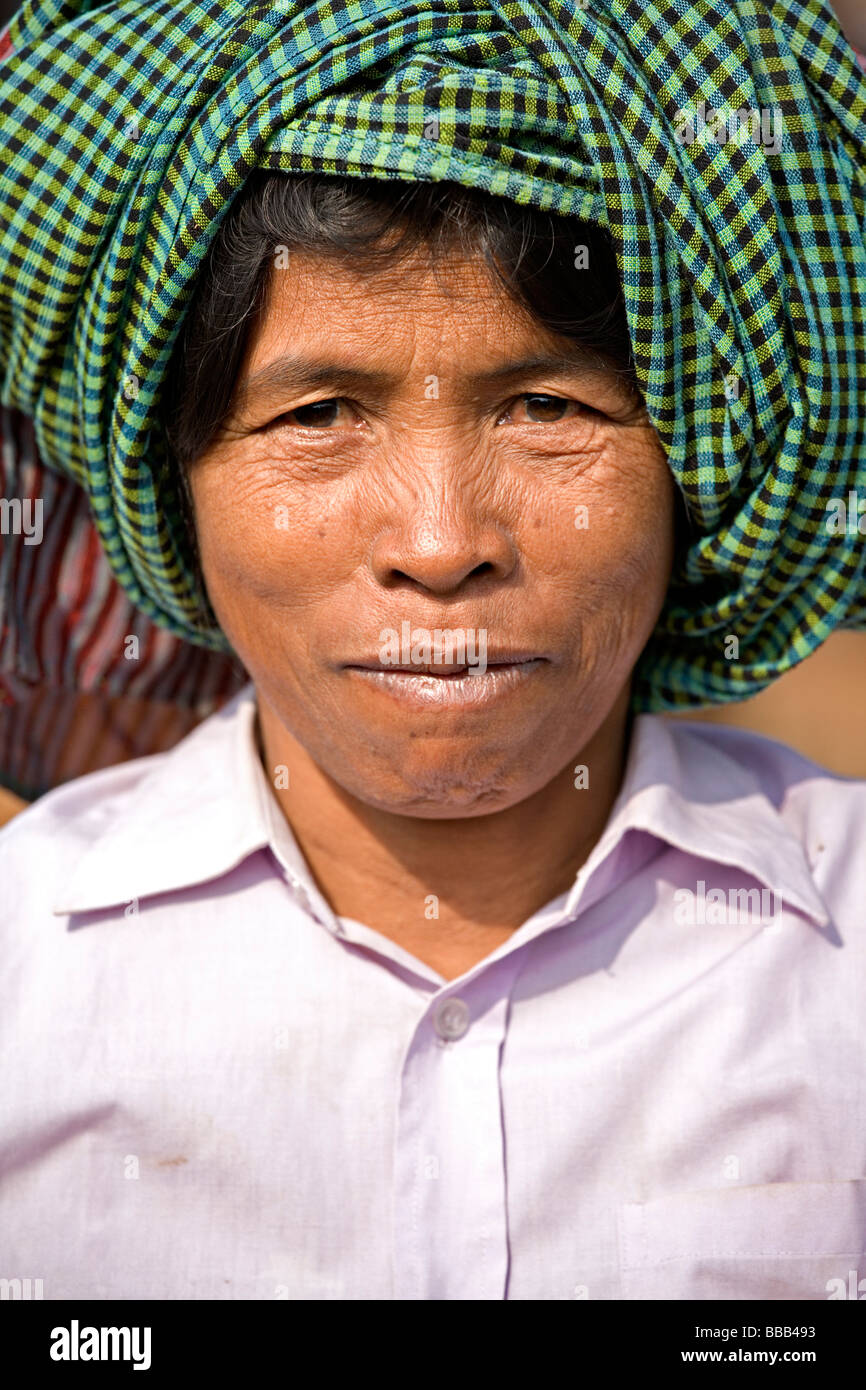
[(721, 142)]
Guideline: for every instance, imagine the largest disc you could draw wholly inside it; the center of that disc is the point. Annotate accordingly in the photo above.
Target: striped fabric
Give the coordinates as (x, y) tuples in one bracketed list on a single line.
[(126, 130), (85, 679)]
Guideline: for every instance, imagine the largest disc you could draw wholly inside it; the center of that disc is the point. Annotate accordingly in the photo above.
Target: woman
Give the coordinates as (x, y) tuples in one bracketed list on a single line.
[(483, 381)]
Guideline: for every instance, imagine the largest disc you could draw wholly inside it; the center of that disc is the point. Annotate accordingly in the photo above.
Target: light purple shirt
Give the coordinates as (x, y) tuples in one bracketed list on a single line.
[(212, 1087)]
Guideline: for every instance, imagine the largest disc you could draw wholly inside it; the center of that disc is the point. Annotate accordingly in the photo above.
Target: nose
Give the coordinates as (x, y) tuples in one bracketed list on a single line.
[(440, 546)]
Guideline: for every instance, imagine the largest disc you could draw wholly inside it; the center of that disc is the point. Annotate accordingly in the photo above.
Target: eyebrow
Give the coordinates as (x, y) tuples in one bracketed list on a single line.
[(299, 373)]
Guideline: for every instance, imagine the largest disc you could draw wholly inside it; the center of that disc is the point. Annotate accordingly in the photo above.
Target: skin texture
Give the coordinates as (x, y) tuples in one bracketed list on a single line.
[(449, 510), (852, 20)]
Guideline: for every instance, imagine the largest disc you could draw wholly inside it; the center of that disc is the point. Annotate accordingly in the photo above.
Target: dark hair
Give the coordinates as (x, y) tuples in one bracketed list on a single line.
[(374, 224)]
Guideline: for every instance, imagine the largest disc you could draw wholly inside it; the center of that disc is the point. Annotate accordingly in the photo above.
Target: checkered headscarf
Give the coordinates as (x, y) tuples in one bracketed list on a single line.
[(720, 141)]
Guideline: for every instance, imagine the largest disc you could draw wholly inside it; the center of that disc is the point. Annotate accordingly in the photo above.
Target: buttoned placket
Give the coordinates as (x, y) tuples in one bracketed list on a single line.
[(449, 1196), (450, 1212), (449, 1204)]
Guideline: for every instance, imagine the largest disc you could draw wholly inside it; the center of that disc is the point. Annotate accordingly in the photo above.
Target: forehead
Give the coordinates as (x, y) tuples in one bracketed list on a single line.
[(316, 299)]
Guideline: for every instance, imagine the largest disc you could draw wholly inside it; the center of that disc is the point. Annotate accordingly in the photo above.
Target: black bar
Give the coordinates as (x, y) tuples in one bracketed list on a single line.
[(225, 1338)]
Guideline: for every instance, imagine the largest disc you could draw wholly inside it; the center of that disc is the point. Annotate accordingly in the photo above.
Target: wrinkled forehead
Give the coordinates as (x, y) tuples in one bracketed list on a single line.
[(420, 304)]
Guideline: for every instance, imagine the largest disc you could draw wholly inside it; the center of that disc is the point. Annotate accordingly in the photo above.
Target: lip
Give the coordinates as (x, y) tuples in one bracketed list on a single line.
[(503, 656), (445, 687)]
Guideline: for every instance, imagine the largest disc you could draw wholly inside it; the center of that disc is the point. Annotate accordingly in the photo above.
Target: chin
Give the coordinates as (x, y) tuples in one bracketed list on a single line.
[(463, 803), (450, 790)]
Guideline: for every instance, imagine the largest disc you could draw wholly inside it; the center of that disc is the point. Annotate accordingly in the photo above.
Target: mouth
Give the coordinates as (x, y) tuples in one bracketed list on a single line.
[(439, 684), (500, 658)]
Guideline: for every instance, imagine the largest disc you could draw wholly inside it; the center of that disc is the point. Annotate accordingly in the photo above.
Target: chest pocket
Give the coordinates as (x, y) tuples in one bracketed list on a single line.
[(798, 1240)]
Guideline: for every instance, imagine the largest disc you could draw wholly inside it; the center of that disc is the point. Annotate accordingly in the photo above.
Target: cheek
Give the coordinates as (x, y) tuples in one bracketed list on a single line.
[(605, 541), (268, 547)]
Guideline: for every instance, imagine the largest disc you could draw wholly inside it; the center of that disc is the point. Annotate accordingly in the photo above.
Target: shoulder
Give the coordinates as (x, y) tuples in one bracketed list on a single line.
[(135, 828), (823, 810), (41, 846), (781, 770)]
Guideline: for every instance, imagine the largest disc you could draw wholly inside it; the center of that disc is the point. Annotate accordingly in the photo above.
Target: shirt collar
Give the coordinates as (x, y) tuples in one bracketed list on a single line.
[(203, 808), (198, 812), (680, 786)]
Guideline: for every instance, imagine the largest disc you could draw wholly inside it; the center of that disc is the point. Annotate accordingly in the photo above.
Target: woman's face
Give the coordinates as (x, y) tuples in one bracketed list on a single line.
[(411, 455)]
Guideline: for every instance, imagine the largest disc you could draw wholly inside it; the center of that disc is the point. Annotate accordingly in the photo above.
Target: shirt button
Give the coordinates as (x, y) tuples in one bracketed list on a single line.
[(451, 1018)]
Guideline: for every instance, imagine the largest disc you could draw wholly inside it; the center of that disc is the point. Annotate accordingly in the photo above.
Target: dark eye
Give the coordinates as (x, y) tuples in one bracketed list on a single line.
[(317, 413), (545, 409)]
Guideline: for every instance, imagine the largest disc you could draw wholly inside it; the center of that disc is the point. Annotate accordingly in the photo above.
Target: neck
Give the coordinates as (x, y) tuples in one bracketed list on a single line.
[(449, 891)]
